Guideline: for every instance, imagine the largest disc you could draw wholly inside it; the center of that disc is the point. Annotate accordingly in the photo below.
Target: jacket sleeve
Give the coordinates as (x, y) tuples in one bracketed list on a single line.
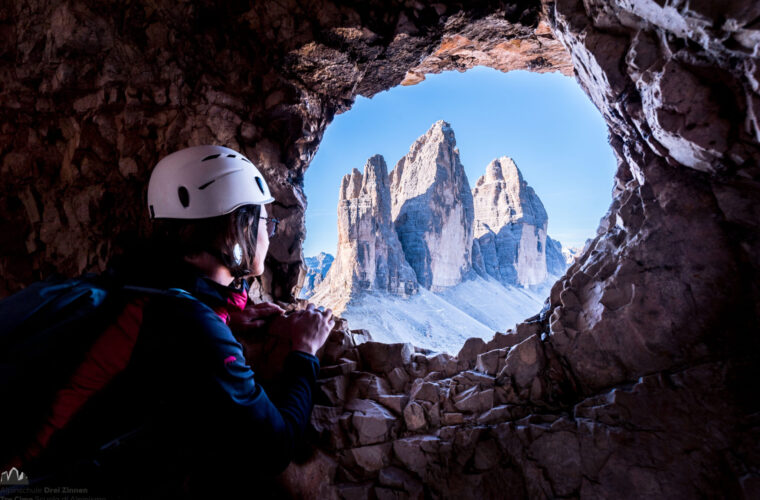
[(276, 428)]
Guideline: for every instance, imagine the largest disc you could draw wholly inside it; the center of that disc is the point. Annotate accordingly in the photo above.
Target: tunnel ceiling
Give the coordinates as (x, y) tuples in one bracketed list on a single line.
[(662, 306), (94, 96)]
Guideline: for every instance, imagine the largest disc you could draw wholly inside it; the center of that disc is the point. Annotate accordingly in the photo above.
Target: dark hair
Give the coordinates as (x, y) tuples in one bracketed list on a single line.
[(215, 235)]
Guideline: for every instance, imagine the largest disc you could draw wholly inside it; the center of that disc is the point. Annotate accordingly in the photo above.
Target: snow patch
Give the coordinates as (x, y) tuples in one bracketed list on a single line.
[(442, 321)]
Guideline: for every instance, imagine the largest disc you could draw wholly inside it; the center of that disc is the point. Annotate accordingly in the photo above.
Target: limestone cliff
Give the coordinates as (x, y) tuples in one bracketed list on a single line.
[(432, 209), (370, 257), (510, 225)]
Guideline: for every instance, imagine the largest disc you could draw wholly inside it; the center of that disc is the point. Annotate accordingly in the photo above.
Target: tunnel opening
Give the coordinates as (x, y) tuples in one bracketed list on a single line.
[(550, 165)]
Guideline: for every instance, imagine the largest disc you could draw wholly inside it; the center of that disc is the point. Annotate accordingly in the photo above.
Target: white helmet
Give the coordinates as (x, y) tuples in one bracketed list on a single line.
[(204, 181)]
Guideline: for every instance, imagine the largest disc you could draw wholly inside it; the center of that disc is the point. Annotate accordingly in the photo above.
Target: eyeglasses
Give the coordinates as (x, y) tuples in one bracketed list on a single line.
[(271, 225)]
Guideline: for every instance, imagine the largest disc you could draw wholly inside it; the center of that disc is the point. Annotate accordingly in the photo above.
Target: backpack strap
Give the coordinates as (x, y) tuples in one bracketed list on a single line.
[(168, 292)]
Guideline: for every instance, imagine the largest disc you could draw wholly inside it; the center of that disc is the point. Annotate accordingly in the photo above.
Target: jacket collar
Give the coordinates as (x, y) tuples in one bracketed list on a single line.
[(210, 292)]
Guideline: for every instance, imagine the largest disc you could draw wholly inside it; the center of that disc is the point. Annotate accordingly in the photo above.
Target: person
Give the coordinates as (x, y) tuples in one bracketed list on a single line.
[(206, 425)]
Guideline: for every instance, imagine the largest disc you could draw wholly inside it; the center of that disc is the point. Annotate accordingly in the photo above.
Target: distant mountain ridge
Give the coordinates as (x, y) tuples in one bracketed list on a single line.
[(421, 252), (316, 270)]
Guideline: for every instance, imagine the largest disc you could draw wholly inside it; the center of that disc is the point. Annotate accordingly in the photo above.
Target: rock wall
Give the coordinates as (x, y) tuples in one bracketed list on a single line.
[(432, 209), (637, 380), (510, 225), (370, 257)]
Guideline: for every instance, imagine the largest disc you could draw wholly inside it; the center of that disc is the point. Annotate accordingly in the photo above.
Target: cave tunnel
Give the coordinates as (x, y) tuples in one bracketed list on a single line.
[(638, 379)]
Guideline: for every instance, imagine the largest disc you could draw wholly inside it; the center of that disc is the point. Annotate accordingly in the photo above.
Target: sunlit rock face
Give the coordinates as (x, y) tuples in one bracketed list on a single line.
[(370, 257), (638, 379), (510, 225), (432, 209)]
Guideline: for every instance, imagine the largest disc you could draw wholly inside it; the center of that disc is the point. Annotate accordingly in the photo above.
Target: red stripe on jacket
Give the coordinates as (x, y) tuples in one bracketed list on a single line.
[(107, 357)]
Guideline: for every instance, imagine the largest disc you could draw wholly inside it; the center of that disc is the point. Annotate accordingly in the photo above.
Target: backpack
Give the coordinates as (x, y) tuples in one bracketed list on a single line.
[(45, 332)]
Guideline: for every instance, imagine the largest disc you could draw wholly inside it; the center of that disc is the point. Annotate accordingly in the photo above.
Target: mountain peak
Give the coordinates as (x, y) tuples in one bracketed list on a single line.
[(369, 256), (375, 173), (432, 208), (507, 197), (437, 143), (442, 125), (502, 169), (441, 131), (507, 210), (351, 185)]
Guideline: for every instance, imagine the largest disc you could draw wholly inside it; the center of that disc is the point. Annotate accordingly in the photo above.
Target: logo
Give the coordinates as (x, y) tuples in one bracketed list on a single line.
[(13, 478)]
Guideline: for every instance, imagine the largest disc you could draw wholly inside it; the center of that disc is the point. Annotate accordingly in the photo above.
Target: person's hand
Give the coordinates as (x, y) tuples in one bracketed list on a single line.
[(307, 329), (254, 317)]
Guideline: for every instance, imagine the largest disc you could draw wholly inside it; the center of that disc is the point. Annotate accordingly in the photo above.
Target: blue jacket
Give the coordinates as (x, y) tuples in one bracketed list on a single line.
[(202, 417)]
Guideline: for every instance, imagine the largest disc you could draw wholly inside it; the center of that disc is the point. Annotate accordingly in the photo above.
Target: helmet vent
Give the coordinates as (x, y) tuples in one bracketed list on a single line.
[(230, 156), (184, 196), (206, 185), (245, 159), (210, 157), (260, 184)]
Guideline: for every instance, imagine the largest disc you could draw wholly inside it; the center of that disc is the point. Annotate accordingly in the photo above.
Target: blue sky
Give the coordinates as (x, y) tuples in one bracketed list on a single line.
[(545, 122)]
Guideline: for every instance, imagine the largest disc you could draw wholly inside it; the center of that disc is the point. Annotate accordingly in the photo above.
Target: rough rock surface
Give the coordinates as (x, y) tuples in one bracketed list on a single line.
[(316, 270), (370, 256), (646, 358), (432, 209), (468, 48), (510, 225)]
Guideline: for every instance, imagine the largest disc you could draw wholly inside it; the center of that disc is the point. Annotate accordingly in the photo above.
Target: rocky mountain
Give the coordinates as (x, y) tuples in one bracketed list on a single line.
[(510, 226), (570, 254), (316, 269), (423, 259), (556, 262), (432, 209), (370, 257)]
